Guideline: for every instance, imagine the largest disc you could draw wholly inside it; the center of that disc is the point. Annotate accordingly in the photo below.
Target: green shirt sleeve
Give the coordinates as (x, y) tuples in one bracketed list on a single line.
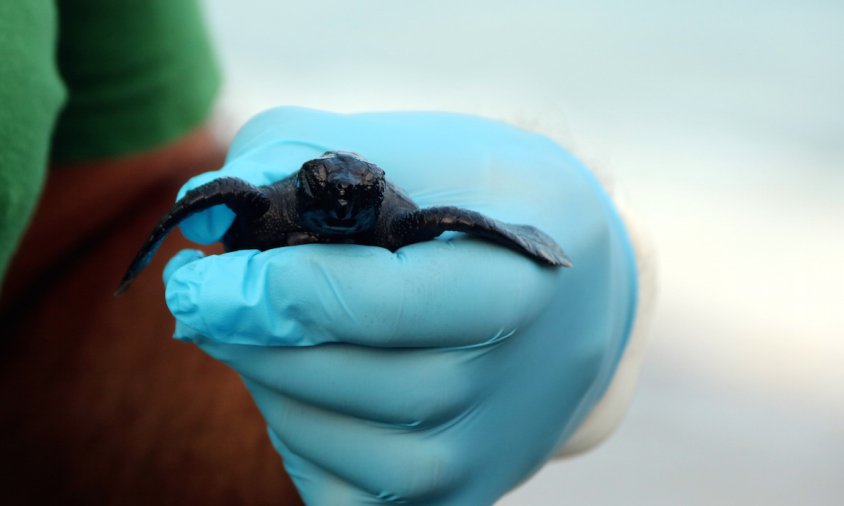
[(31, 94), (132, 76), (140, 73)]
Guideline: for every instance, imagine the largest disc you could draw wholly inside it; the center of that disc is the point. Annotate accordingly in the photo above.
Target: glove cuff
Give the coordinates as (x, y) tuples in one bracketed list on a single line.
[(610, 410)]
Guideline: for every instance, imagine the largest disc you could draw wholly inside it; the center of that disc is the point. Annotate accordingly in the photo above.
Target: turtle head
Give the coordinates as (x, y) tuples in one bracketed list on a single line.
[(339, 193)]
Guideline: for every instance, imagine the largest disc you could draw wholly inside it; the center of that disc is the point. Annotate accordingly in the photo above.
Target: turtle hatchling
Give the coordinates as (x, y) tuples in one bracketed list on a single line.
[(337, 198)]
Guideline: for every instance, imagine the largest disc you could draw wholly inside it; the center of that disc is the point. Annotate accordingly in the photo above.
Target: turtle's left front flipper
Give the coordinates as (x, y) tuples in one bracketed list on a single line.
[(425, 224), (236, 194)]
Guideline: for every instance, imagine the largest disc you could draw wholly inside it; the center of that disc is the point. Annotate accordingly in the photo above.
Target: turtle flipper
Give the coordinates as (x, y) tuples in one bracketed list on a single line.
[(236, 194), (425, 224)]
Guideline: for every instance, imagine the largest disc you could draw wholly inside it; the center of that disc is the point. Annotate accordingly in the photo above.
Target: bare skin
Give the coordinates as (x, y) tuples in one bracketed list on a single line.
[(97, 404)]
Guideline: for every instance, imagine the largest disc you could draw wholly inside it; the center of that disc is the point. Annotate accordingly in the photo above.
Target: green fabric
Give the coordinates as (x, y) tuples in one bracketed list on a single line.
[(137, 74), (31, 94), (140, 73)]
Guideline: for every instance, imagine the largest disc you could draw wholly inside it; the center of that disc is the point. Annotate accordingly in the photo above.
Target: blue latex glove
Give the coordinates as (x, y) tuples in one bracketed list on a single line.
[(447, 372)]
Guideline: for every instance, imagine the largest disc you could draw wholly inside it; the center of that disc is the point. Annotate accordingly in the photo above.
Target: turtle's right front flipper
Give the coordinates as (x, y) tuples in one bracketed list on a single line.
[(236, 194)]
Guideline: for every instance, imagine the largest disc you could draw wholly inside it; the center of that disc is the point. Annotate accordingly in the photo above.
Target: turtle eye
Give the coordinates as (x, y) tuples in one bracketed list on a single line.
[(316, 176), (320, 175), (311, 179)]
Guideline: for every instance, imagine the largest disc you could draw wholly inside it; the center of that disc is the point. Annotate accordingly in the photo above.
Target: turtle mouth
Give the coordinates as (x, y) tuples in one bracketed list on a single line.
[(328, 222), (337, 224)]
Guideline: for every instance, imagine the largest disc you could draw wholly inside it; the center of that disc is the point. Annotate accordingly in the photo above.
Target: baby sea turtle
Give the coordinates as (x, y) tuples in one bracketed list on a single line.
[(337, 198)]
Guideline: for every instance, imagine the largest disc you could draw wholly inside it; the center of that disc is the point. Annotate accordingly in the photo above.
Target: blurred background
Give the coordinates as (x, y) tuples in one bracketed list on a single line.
[(723, 125)]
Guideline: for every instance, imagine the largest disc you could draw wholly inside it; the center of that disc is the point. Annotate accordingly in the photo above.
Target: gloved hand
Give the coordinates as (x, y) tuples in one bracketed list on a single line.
[(446, 372)]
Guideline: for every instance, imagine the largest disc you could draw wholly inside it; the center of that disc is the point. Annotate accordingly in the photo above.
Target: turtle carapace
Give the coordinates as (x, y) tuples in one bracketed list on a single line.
[(337, 198)]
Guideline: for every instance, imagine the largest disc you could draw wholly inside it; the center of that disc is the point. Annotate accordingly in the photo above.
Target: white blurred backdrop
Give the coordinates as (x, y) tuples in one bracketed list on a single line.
[(723, 122)]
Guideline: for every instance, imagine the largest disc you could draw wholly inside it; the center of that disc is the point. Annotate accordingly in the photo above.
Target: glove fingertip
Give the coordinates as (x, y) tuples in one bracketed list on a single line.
[(182, 289), (179, 260), (186, 333), (208, 226)]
